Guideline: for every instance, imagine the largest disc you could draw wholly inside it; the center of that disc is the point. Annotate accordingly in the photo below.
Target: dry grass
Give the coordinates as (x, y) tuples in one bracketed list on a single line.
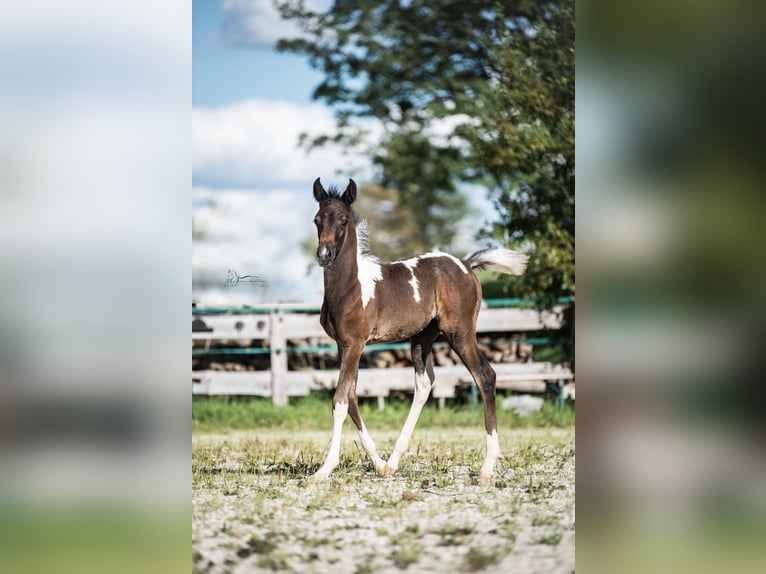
[(254, 510)]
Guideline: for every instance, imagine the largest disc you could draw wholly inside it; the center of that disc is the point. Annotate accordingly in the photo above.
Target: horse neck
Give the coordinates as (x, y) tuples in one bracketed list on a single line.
[(345, 268)]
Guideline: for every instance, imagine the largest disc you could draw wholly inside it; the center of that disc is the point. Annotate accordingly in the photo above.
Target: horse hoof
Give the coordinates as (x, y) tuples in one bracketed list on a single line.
[(486, 474), (319, 476), (388, 470)]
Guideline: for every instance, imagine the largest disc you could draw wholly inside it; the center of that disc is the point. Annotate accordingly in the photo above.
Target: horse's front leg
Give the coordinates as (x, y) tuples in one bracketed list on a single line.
[(344, 402)]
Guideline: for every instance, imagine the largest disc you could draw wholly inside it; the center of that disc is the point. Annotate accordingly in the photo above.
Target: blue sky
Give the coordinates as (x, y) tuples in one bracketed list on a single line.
[(224, 73)]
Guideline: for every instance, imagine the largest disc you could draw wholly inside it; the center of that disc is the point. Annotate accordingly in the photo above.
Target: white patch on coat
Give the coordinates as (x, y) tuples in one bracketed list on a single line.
[(454, 259), (370, 273), (411, 264)]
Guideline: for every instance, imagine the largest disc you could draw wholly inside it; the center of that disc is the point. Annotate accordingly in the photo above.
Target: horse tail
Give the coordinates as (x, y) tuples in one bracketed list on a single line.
[(498, 259)]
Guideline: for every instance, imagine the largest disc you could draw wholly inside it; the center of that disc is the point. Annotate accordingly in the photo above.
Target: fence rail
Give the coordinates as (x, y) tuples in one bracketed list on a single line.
[(276, 324)]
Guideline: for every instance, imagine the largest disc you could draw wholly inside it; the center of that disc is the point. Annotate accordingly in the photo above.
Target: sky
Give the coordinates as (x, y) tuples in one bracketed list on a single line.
[(251, 182)]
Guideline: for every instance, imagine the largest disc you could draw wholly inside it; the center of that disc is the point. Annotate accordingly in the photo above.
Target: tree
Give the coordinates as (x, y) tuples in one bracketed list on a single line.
[(428, 205), (524, 144), (467, 91)]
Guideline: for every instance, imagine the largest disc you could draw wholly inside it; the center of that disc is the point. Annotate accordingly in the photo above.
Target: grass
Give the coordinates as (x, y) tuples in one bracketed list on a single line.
[(477, 559), (222, 414), (253, 507), (66, 536), (550, 539), (405, 556), (452, 535), (435, 511)]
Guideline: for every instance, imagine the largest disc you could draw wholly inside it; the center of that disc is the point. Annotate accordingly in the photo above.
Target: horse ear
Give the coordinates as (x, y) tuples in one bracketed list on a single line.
[(350, 194), (319, 193)]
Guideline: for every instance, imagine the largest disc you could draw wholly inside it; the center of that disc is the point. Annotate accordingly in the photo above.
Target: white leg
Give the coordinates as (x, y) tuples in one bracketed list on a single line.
[(339, 413), (372, 452), (422, 390), (493, 451)]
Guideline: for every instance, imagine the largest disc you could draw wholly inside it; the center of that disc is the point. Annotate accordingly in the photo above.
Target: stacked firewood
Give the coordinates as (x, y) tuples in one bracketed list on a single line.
[(496, 350), (225, 361)]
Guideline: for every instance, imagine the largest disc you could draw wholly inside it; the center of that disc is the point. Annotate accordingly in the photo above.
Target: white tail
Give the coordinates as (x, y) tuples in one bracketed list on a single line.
[(498, 259)]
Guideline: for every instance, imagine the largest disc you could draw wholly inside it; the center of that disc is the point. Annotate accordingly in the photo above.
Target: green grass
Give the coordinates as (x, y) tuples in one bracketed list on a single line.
[(550, 539), (74, 537), (222, 414), (404, 557), (477, 559)]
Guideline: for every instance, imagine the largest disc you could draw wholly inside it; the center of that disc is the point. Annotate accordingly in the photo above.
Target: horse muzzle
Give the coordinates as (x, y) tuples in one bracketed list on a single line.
[(325, 256)]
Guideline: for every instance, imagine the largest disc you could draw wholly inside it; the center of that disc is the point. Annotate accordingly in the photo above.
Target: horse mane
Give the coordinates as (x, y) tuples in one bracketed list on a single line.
[(363, 240), (333, 192), (362, 233)]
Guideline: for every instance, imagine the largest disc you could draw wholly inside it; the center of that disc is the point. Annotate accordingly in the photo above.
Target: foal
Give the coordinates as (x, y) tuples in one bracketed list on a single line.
[(366, 301)]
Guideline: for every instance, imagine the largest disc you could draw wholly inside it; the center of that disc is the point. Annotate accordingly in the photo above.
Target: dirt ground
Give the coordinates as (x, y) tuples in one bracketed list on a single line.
[(254, 511)]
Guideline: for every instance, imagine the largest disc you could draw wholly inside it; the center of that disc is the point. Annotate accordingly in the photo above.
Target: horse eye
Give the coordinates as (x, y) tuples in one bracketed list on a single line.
[(317, 221)]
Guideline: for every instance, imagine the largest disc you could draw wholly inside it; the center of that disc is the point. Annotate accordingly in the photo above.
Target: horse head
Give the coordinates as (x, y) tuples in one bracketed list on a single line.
[(332, 220)]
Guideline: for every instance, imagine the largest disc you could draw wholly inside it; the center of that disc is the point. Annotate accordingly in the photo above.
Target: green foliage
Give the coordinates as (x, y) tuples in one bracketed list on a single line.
[(467, 91), (525, 144)]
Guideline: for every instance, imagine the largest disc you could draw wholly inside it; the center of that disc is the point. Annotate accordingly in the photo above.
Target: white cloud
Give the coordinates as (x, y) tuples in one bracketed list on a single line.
[(257, 22), (252, 196), (255, 232), (254, 143)]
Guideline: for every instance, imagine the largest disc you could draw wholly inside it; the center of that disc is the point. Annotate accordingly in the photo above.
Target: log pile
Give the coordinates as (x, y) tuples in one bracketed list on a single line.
[(230, 362), (496, 350)]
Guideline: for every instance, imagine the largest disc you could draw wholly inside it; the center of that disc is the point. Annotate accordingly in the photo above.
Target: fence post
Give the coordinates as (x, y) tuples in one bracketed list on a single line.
[(561, 400), (278, 360)]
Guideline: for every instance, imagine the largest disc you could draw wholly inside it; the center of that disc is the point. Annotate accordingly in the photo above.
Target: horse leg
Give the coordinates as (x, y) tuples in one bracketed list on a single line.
[(345, 393), (464, 344), (364, 436), (421, 345)]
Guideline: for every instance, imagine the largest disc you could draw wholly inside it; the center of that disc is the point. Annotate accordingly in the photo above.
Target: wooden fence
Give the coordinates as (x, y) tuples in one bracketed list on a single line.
[(275, 325)]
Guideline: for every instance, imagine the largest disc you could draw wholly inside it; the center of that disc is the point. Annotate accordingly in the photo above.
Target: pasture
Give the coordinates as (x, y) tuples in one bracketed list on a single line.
[(255, 511)]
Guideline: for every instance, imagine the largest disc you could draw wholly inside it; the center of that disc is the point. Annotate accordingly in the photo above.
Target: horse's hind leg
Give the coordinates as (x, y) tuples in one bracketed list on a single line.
[(464, 344), (421, 345), (364, 436)]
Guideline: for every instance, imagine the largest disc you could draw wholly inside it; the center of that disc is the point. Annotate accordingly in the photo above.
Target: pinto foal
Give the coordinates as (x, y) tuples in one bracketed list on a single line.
[(418, 298)]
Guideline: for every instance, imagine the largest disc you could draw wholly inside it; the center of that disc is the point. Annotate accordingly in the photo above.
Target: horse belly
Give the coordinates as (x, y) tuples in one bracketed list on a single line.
[(400, 318)]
